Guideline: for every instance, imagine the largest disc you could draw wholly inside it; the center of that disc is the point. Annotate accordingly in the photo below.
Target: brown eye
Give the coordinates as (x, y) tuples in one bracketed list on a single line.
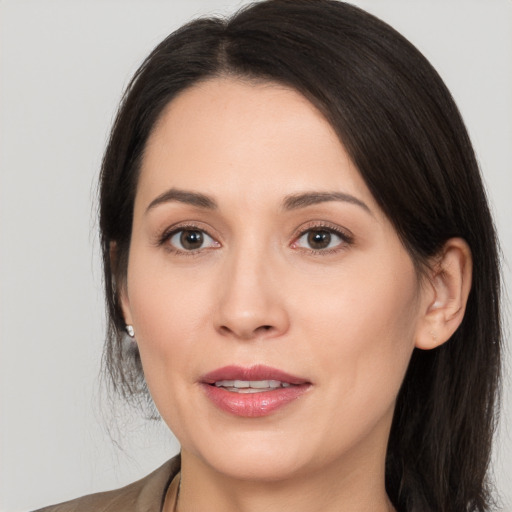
[(319, 239), (191, 240)]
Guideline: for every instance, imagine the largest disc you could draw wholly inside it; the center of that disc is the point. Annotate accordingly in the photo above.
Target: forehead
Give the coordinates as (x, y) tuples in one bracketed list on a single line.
[(250, 139)]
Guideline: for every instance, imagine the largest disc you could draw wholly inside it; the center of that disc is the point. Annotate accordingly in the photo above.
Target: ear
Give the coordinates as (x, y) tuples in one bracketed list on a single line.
[(445, 294), (120, 285)]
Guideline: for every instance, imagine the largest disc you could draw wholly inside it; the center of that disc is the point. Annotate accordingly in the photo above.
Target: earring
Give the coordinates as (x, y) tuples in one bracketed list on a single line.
[(130, 331)]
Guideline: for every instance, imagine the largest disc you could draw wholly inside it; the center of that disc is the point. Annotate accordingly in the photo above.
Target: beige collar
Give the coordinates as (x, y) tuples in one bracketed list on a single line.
[(171, 496)]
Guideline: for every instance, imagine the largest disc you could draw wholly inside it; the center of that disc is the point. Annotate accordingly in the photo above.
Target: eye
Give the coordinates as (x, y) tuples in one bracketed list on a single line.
[(319, 239), (191, 239)]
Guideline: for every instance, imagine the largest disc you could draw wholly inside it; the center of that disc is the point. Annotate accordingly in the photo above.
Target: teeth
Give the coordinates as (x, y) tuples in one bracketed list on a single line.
[(251, 386), (260, 384)]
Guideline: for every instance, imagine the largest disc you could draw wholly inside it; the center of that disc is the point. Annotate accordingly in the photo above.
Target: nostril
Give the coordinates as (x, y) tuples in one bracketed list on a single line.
[(246, 334)]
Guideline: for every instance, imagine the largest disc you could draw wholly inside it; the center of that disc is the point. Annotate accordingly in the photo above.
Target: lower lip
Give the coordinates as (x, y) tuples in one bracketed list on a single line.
[(253, 405)]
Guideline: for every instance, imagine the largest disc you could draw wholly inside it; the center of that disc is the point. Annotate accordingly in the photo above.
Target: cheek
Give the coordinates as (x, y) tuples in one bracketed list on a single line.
[(168, 310), (361, 337), (363, 330)]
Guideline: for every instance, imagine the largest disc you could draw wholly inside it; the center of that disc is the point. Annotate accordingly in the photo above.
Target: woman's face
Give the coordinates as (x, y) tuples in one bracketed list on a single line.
[(259, 255)]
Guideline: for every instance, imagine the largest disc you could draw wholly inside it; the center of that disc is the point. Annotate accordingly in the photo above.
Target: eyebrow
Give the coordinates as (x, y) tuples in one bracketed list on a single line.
[(296, 201), (291, 202), (183, 196)]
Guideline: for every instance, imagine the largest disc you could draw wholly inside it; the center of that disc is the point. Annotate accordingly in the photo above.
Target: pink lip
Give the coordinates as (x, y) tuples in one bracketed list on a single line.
[(252, 405)]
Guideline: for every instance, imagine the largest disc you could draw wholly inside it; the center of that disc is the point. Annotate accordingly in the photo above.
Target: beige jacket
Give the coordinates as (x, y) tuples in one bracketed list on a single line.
[(145, 495)]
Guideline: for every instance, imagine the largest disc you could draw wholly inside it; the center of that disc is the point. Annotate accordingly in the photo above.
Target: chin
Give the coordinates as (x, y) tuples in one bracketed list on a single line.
[(256, 460)]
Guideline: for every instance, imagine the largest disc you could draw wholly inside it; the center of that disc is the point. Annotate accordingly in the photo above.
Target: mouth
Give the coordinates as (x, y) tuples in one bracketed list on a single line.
[(252, 392)]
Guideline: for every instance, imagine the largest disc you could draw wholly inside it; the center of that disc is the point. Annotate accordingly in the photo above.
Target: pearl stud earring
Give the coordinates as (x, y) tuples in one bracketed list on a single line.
[(130, 331)]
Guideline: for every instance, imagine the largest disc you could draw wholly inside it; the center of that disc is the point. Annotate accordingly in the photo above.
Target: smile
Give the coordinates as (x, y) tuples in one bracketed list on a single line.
[(252, 392)]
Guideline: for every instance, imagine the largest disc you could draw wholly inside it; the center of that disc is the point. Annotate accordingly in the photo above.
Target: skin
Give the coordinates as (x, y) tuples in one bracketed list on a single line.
[(346, 318)]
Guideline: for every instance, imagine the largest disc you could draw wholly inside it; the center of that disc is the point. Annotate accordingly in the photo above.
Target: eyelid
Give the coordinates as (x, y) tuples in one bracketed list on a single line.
[(344, 234), (165, 237), (206, 239)]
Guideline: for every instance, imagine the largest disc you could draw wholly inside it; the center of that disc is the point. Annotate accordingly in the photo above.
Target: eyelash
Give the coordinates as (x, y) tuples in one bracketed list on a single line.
[(346, 237), (165, 238)]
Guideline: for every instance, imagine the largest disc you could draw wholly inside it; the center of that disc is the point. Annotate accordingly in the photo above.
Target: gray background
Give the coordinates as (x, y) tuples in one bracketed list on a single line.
[(63, 66)]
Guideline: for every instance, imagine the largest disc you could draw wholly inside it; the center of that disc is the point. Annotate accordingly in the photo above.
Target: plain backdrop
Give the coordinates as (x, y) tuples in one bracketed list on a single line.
[(63, 66)]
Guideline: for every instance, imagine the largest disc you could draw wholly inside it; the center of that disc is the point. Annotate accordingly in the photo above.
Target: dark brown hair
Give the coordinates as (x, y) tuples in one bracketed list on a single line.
[(403, 131)]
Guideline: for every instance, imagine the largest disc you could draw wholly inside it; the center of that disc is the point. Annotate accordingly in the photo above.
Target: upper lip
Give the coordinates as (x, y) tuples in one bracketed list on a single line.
[(257, 372)]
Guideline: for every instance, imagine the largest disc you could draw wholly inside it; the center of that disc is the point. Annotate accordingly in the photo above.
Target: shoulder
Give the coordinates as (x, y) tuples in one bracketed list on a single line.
[(145, 495)]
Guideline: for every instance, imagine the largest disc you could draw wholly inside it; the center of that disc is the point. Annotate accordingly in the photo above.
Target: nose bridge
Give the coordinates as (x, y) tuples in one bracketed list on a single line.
[(250, 303)]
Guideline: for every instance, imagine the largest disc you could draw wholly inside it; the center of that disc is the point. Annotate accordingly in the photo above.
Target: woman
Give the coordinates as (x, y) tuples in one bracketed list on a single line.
[(297, 241)]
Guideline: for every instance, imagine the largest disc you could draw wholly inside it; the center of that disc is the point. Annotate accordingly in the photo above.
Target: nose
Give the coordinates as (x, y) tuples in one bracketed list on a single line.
[(250, 300)]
